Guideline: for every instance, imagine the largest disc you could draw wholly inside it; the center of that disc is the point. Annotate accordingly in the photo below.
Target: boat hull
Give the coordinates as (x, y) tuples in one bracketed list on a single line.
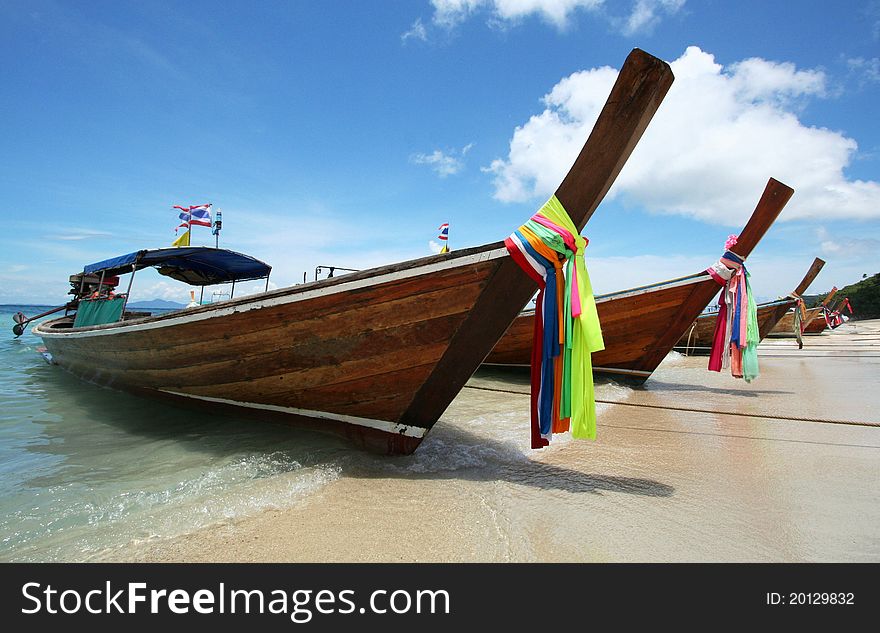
[(698, 339), (633, 327), (640, 326), (817, 325), (376, 355), (785, 328), (349, 356)]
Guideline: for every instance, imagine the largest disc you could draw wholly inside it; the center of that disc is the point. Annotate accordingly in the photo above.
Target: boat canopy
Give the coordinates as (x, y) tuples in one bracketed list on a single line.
[(194, 265)]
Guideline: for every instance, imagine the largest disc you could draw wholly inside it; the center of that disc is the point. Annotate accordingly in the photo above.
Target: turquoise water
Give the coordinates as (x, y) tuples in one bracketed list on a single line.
[(87, 472), (85, 469)]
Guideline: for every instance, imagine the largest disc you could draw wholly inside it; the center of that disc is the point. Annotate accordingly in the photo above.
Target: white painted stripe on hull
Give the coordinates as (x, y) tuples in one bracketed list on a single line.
[(641, 290), (268, 302), (648, 289), (628, 372), (381, 425)]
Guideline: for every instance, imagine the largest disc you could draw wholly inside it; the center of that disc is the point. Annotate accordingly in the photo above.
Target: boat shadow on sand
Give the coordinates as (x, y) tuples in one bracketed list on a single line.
[(658, 386), (449, 452)]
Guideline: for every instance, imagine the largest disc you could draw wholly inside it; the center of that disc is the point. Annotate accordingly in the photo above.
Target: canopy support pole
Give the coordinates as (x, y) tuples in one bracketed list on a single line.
[(267, 284), (202, 296), (128, 290), (232, 292)]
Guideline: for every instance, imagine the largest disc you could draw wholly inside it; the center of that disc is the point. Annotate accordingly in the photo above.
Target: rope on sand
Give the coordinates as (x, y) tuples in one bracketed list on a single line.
[(711, 411)]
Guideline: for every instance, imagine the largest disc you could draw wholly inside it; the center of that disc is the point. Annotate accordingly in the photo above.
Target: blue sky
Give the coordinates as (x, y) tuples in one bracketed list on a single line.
[(344, 133)]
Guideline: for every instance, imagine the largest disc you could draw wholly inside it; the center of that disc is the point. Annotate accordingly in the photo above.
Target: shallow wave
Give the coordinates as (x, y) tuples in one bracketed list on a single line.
[(674, 358), (463, 441), (67, 524)]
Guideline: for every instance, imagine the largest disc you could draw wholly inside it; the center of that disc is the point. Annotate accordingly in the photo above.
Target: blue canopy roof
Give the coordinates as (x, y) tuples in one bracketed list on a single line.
[(195, 265)]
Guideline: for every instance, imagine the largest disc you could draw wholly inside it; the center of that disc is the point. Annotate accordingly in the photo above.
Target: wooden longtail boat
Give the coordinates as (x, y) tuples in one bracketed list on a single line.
[(814, 323), (375, 356), (641, 325), (835, 316), (817, 325), (698, 338)]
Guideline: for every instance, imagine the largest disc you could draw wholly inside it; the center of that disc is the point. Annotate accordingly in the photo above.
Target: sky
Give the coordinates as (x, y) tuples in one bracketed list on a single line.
[(344, 133)]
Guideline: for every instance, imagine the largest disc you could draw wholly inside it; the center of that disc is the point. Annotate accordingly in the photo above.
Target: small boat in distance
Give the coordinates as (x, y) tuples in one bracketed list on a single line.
[(375, 356), (812, 323), (641, 325), (698, 338)]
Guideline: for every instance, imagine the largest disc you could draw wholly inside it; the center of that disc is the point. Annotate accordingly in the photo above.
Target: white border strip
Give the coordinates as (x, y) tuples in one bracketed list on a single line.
[(258, 303), (381, 425)]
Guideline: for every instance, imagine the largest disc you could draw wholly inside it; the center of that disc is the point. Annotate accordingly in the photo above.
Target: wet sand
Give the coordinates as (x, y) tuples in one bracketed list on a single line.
[(693, 466)]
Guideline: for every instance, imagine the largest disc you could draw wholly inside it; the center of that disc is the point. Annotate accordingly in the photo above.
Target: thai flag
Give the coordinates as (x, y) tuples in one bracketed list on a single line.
[(444, 232), (201, 215)]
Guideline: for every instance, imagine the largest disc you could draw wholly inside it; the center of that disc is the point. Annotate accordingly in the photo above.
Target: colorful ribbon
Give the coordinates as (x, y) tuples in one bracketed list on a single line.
[(836, 318), (736, 337), (551, 251)]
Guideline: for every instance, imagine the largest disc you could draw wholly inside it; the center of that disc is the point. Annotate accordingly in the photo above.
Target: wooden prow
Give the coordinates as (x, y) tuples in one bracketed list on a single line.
[(638, 91), (830, 296), (837, 305), (770, 205), (812, 273), (772, 201), (641, 86)]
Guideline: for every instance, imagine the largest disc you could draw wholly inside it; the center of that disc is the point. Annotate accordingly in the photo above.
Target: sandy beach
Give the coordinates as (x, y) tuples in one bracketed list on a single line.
[(693, 466)]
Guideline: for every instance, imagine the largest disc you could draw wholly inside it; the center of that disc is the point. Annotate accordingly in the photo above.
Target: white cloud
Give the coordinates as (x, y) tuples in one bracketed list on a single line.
[(643, 17), (166, 290), (444, 163), (872, 12), (716, 139), (772, 276), (867, 70), (416, 32), (847, 247), (612, 274), (146, 287), (76, 234), (757, 80)]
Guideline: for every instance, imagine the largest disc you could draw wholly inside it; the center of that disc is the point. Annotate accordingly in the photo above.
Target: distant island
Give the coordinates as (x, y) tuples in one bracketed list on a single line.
[(157, 304), (864, 297)]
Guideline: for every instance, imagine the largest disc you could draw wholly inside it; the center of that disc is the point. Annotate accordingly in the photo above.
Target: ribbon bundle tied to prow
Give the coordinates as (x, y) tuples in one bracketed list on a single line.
[(736, 337), (800, 318), (836, 318), (550, 250)]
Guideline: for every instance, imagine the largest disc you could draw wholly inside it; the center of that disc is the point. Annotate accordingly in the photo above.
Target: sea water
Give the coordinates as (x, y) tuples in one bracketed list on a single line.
[(88, 473), (86, 470)]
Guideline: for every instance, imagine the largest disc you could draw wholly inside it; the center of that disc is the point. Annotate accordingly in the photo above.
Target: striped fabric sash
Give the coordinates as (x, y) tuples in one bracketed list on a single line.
[(736, 337), (551, 251)]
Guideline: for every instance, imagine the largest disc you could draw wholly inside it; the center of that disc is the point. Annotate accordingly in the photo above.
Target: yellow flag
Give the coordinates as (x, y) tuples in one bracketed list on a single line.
[(445, 248), (183, 240)]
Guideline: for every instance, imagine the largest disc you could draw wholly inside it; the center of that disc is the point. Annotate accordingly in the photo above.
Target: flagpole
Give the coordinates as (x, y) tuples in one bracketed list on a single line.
[(218, 223)]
